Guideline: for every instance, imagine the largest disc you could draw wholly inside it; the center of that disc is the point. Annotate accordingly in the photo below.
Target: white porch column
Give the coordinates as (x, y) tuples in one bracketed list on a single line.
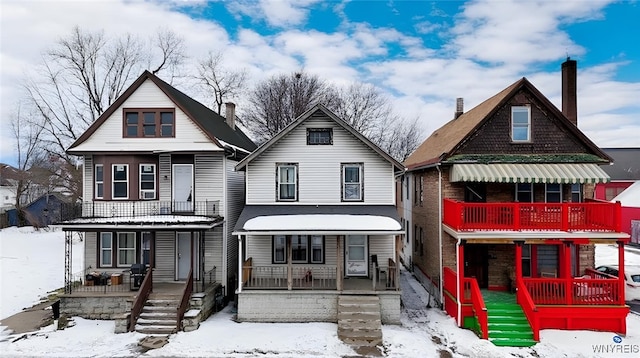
[(240, 262)]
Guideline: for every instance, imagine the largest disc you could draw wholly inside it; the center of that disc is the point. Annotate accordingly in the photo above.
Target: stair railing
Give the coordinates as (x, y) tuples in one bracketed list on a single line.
[(143, 294), (479, 307), (529, 307), (184, 302)]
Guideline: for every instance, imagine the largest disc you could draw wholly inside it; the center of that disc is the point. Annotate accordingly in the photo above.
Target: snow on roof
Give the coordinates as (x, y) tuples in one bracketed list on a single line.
[(128, 222), (322, 222), (630, 197)]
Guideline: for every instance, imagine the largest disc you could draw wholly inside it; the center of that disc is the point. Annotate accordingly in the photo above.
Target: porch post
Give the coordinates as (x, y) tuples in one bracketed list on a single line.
[(289, 256), (68, 248), (621, 272), (460, 278), (240, 263), (566, 268), (340, 263)]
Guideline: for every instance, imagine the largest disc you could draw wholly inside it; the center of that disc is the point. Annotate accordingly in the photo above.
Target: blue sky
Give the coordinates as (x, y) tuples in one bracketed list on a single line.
[(424, 54)]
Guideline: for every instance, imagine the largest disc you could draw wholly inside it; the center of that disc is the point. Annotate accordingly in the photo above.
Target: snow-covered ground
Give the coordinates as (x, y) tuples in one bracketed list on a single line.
[(33, 264)]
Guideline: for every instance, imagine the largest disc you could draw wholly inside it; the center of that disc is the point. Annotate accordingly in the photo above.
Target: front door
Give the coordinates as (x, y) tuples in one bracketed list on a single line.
[(356, 252), (186, 254), (476, 263), (183, 187)]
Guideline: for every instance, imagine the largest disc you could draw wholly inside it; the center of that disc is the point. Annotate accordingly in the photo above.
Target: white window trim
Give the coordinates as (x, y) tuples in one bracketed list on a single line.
[(96, 182), (520, 108), (280, 182), (144, 192), (118, 248), (360, 182), (310, 238), (113, 181), (102, 249)]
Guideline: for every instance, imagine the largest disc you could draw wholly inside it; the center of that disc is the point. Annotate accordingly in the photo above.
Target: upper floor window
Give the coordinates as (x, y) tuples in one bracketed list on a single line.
[(149, 123), (147, 181), (352, 182), (99, 181), (576, 193), (287, 182), (120, 181), (521, 124), (524, 192), (553, 193), (319, 136)]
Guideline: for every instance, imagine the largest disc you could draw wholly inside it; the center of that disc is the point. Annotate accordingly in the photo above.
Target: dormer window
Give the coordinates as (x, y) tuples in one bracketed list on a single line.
[(521, 124), (149, 123), (319, 136)]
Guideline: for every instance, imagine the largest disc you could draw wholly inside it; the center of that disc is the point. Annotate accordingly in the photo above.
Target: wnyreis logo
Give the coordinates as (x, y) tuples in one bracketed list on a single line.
[(617, 347)]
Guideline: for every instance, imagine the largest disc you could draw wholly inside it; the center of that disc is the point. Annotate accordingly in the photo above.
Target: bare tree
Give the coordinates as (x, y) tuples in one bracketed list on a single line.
[(218, 81), (279, 100), (81, 76)]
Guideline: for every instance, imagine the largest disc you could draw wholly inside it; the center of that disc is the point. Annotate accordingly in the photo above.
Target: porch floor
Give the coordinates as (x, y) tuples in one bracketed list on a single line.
[(491, 296)]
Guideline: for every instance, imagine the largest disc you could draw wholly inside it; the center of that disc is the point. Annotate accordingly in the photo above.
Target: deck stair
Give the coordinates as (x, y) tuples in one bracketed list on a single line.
[(508, 326), (159, 314), (359, 321)]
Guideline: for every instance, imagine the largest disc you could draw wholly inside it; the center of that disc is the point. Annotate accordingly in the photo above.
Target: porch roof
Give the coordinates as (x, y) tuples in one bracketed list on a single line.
[(150, 222), (319, 220), (531, 236), (567, 173)]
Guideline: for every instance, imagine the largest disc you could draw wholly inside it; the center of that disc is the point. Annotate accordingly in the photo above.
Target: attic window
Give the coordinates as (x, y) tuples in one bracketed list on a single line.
[(319, 136), (520, 124), (149, 122)]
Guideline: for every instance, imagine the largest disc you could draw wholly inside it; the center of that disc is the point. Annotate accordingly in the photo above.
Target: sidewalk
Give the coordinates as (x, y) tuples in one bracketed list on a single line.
[(29, 320)]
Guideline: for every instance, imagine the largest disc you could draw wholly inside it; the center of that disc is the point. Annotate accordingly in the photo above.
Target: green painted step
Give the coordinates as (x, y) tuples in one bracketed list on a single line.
[(507, 324)]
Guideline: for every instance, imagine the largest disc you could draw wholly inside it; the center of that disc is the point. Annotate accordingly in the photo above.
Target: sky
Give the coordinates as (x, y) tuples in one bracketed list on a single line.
[(423, 54), (25, 252)]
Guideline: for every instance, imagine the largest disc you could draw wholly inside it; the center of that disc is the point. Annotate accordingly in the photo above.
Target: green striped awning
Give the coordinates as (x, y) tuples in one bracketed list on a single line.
[(529, 173)]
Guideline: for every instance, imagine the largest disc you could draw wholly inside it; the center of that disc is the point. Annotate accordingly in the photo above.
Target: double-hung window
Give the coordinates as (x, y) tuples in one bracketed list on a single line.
[(106, 249), (147, 181), (576, 193), (120, 181), (521, 124), (304, 249), (524, 192), (287, 182), (352, 182), (99, 181), (553, 193), (145, 252), (126, 248)]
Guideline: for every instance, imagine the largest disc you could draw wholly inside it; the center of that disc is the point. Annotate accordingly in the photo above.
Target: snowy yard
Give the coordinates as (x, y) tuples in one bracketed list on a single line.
[(33, 264)]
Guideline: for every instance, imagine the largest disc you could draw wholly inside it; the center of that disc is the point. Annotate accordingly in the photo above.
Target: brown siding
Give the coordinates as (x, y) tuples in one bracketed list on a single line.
[(548, 134)]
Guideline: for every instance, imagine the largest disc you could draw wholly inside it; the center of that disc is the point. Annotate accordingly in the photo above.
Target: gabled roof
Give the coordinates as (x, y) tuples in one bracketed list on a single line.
[(303, 117), (211, 123), (444, 141), (626, 163)]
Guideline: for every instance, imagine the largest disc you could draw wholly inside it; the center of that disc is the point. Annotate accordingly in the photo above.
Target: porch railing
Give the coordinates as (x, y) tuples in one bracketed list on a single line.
[(302, 277), (573, 291), (479, 308), (184, 302), (112, 209), (143, 294), (528, 307), (208, 278), (89, 280), (589, 216)]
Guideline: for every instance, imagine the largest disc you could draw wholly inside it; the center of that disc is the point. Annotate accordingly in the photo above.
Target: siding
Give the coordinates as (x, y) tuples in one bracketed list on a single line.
[(164, 169), (213, 252), (165, 256), (88, 178), (319, 170), (90, 250), (108, 137), (234, 203), (209, 179)]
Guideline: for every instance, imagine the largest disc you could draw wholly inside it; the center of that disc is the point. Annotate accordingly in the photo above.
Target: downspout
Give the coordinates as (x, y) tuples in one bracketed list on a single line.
[(441, 281), (458, 284), (225, 230)]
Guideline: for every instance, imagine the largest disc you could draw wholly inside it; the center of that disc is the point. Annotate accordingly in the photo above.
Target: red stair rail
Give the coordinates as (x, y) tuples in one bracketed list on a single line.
[(479, 308), (529, 307)]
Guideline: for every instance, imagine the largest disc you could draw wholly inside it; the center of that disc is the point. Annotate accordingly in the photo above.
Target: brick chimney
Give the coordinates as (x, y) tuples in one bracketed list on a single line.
[(570, 90), (459, 107), (230, 114)]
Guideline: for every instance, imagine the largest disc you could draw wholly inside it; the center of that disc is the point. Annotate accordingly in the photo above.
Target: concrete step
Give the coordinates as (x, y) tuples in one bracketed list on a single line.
[(162, 302), (155, 329), (359, 321), (158, 315), (156, 322)]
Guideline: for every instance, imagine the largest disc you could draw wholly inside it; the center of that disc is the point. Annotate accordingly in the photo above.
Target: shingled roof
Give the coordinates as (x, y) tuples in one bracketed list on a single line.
[(445, 140), (211, 123)]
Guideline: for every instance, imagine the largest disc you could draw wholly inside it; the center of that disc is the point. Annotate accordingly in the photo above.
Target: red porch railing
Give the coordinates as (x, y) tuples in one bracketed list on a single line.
[(573, 291), (528, 307), (591, 216), (471, 295)]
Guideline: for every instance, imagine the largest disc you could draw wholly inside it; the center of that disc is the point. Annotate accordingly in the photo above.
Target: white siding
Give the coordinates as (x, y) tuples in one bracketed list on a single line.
[(209, 179), (108, 137), (319, 168), (87, 194), (90, 250), (165, 171), (213, 252), (165, 256), (382, 245), (234, 203)]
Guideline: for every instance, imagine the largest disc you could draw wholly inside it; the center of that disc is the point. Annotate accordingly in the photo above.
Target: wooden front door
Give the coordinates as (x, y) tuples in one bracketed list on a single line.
[(476, 263)]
